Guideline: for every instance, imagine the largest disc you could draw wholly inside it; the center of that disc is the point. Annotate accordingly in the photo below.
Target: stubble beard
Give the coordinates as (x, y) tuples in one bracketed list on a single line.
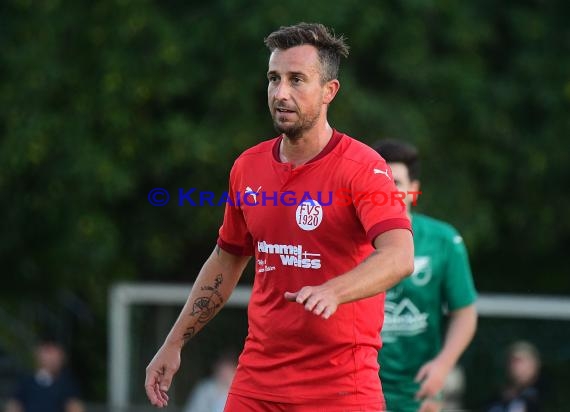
[(296, 130)]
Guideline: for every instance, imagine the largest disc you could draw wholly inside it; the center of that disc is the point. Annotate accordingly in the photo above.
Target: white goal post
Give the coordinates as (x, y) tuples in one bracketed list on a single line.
[(124, 295)]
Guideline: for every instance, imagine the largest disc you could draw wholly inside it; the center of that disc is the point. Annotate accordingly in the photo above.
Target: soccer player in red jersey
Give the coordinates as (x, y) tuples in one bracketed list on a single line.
[(322, 265)]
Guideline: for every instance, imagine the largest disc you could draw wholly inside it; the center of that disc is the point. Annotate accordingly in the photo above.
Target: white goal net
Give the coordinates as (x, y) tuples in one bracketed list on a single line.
[(141, 315)]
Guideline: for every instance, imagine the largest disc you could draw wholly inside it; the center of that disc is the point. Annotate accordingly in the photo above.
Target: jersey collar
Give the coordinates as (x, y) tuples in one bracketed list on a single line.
[(334, 140)]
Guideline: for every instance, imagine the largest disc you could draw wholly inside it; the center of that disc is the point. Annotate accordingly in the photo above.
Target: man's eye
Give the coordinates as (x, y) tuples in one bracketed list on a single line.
[(296, 80), (272, 78)]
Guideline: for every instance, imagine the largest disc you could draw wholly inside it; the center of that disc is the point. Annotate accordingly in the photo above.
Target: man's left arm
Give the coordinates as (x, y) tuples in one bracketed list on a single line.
[(460, 332), (392, 261), (459, 295)]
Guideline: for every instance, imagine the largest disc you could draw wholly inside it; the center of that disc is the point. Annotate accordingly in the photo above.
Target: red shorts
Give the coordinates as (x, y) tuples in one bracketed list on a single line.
[(238, 403)]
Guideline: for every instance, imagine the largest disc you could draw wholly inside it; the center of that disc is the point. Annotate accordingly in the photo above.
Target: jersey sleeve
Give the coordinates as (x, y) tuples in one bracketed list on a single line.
[(234, 237), (458, 287), (378, 202)]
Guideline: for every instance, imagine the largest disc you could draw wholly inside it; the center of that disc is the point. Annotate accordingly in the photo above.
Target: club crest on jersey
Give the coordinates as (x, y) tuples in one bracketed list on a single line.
[(422, 270), (309, 214)]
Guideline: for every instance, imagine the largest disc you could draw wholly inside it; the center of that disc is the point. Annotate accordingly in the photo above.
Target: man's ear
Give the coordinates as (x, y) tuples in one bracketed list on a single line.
[(415, 185), (331, 89)]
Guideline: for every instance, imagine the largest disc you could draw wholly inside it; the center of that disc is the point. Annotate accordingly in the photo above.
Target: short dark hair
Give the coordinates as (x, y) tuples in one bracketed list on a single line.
[(395, 151), (524, 346), (330, 47)]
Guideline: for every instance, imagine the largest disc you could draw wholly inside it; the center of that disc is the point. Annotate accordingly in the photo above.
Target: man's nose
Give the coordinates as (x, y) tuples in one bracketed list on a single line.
[(282, 91)]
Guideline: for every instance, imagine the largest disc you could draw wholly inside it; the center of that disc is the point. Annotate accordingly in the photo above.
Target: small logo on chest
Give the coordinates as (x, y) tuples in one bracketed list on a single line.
[(422, 271), (253, 193), (309, 214)]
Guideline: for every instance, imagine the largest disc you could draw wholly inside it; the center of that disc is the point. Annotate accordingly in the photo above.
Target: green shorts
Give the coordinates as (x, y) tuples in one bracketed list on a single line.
[(404, 402)]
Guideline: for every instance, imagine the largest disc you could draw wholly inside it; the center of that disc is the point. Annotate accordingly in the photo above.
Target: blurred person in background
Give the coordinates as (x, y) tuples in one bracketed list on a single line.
[(414, 362), (51, 388), (522, 392), (210, 394)]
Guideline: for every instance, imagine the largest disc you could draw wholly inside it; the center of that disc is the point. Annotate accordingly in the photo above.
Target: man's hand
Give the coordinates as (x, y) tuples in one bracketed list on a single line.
[(432, 375), (430, 405), (320, 300), (159, 374)]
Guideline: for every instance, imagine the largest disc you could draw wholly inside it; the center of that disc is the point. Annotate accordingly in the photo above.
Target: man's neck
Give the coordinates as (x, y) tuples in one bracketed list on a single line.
[(306, 147)]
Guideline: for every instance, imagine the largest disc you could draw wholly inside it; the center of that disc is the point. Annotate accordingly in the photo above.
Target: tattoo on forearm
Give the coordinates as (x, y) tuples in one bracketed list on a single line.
[(190, 332), (205, 307)]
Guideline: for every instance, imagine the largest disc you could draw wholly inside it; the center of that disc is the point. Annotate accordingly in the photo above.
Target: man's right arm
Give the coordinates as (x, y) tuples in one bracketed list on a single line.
[(211, 290)]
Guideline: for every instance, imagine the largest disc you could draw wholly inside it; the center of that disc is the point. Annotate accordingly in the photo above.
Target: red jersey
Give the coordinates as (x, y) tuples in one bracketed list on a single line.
[(304, 229)]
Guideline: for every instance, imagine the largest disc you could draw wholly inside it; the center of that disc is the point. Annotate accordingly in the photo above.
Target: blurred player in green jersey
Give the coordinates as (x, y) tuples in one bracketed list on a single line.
[(417, 354)]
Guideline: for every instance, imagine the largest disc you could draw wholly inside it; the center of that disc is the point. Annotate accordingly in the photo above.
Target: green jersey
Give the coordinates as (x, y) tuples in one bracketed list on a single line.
[(413, 323)]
